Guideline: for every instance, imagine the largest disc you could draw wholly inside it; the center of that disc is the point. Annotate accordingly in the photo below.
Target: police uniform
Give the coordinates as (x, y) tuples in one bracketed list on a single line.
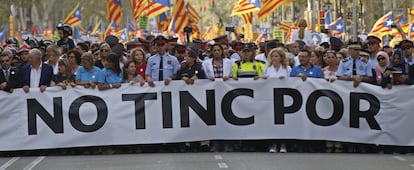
[(248, 68), (170, 66), (345, 67)]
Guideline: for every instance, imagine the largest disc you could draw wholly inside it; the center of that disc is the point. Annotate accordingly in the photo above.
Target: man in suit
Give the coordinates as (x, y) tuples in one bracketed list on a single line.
[(9, 77), (36, 73)]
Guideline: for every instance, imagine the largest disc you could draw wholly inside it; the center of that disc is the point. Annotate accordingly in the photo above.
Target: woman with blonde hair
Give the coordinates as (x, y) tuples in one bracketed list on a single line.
[(64, 77), (138, 57), (278, 66), (302, 33)]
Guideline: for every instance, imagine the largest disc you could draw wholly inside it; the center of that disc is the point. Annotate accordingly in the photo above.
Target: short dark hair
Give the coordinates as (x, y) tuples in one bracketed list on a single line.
[(78, 56), (83, 46), (306, 51)]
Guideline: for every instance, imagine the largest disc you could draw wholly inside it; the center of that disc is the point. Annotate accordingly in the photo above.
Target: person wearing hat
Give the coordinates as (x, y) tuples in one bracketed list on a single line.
[(180, 52), (248, 66), (162, 66), (23, 52), (64, 31), (373, 47), (217, 66), (353, 68), (191, 70)]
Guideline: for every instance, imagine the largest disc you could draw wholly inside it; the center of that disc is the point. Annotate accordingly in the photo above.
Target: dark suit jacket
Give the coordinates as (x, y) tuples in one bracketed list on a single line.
[(45, 78), (14, 79)]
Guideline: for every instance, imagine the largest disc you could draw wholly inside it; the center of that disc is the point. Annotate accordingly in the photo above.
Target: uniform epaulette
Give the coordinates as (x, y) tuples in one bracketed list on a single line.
[(345, 59), (260, 61), (237, 62)]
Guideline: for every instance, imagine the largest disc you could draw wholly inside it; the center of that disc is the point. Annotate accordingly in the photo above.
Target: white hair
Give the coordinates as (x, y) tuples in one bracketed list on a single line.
[(36, 53)]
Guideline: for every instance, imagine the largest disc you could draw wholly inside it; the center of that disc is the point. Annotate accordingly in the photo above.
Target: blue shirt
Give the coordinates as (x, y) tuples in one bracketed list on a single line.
[(313, 71), (345, 67), (170, 66), (70, 43), (85, 76), (107, 76)]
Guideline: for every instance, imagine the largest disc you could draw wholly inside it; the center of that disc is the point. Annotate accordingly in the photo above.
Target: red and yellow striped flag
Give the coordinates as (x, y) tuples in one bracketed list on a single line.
[(192, 14), (114, 11), (74, 18), (269, 6), (245, 6), (179, 17), (139, 7), (157, 7)]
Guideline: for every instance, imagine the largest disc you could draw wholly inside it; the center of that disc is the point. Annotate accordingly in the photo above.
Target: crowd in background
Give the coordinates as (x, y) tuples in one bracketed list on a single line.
[(143, 61)]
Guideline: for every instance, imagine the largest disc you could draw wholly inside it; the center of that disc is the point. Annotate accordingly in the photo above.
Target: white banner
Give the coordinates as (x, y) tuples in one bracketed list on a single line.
[(243, 109)]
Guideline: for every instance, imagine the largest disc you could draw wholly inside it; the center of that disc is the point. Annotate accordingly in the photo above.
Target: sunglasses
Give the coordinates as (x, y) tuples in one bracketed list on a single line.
[(380, 58), (104, 50)]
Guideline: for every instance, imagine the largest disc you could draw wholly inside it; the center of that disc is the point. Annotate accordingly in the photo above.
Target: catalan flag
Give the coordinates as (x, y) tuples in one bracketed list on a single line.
[(112, 29), (383, 25), (139, 7), (123, 36), (74, 18), (245, 6), (337, 27), (114, 11), (163, 22), (157, 7), (179, 17), (193, 15), (96, 28), (269, 6), (247, 18)]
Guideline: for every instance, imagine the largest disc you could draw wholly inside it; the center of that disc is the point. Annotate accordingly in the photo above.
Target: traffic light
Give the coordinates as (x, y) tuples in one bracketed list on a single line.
[(321, 20)]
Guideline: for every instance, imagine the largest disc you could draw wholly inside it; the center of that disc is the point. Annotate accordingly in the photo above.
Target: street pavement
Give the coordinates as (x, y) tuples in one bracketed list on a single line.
[(211, 161)]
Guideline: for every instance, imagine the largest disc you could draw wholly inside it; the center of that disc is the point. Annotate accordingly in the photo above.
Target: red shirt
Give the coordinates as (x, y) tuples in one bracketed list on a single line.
[(140, 70)]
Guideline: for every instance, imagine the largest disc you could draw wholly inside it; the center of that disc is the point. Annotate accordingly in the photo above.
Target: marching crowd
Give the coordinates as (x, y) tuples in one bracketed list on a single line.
[(143, 61)]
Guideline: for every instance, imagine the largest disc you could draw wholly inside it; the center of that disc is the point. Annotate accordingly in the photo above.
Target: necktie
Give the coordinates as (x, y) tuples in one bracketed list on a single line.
[(354, 67), (6, 75), (161, 73)]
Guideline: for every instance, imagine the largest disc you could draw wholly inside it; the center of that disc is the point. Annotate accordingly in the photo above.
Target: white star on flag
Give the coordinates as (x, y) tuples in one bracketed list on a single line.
[(339, 26), (389, 22)]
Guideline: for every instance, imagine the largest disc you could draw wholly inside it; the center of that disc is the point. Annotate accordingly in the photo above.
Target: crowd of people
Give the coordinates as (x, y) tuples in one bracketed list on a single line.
[(110, 64)]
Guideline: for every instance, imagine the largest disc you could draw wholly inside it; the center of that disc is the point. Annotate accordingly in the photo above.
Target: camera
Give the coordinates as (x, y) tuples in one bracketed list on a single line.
[(231, 29), (188, 29)]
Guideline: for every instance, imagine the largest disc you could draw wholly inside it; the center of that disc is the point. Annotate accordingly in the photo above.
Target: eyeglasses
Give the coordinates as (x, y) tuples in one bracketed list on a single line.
[(104, 50)]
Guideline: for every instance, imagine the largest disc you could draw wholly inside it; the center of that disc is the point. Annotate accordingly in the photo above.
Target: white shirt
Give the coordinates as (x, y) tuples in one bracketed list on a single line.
[(271, 72), (307, 37), (261, 57), (35, 76), (55, 67)]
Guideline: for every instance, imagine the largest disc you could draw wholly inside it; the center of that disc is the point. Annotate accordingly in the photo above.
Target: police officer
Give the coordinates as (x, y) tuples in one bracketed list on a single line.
[(354, 68), (248, 66), (161, 66), (191, 70)]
